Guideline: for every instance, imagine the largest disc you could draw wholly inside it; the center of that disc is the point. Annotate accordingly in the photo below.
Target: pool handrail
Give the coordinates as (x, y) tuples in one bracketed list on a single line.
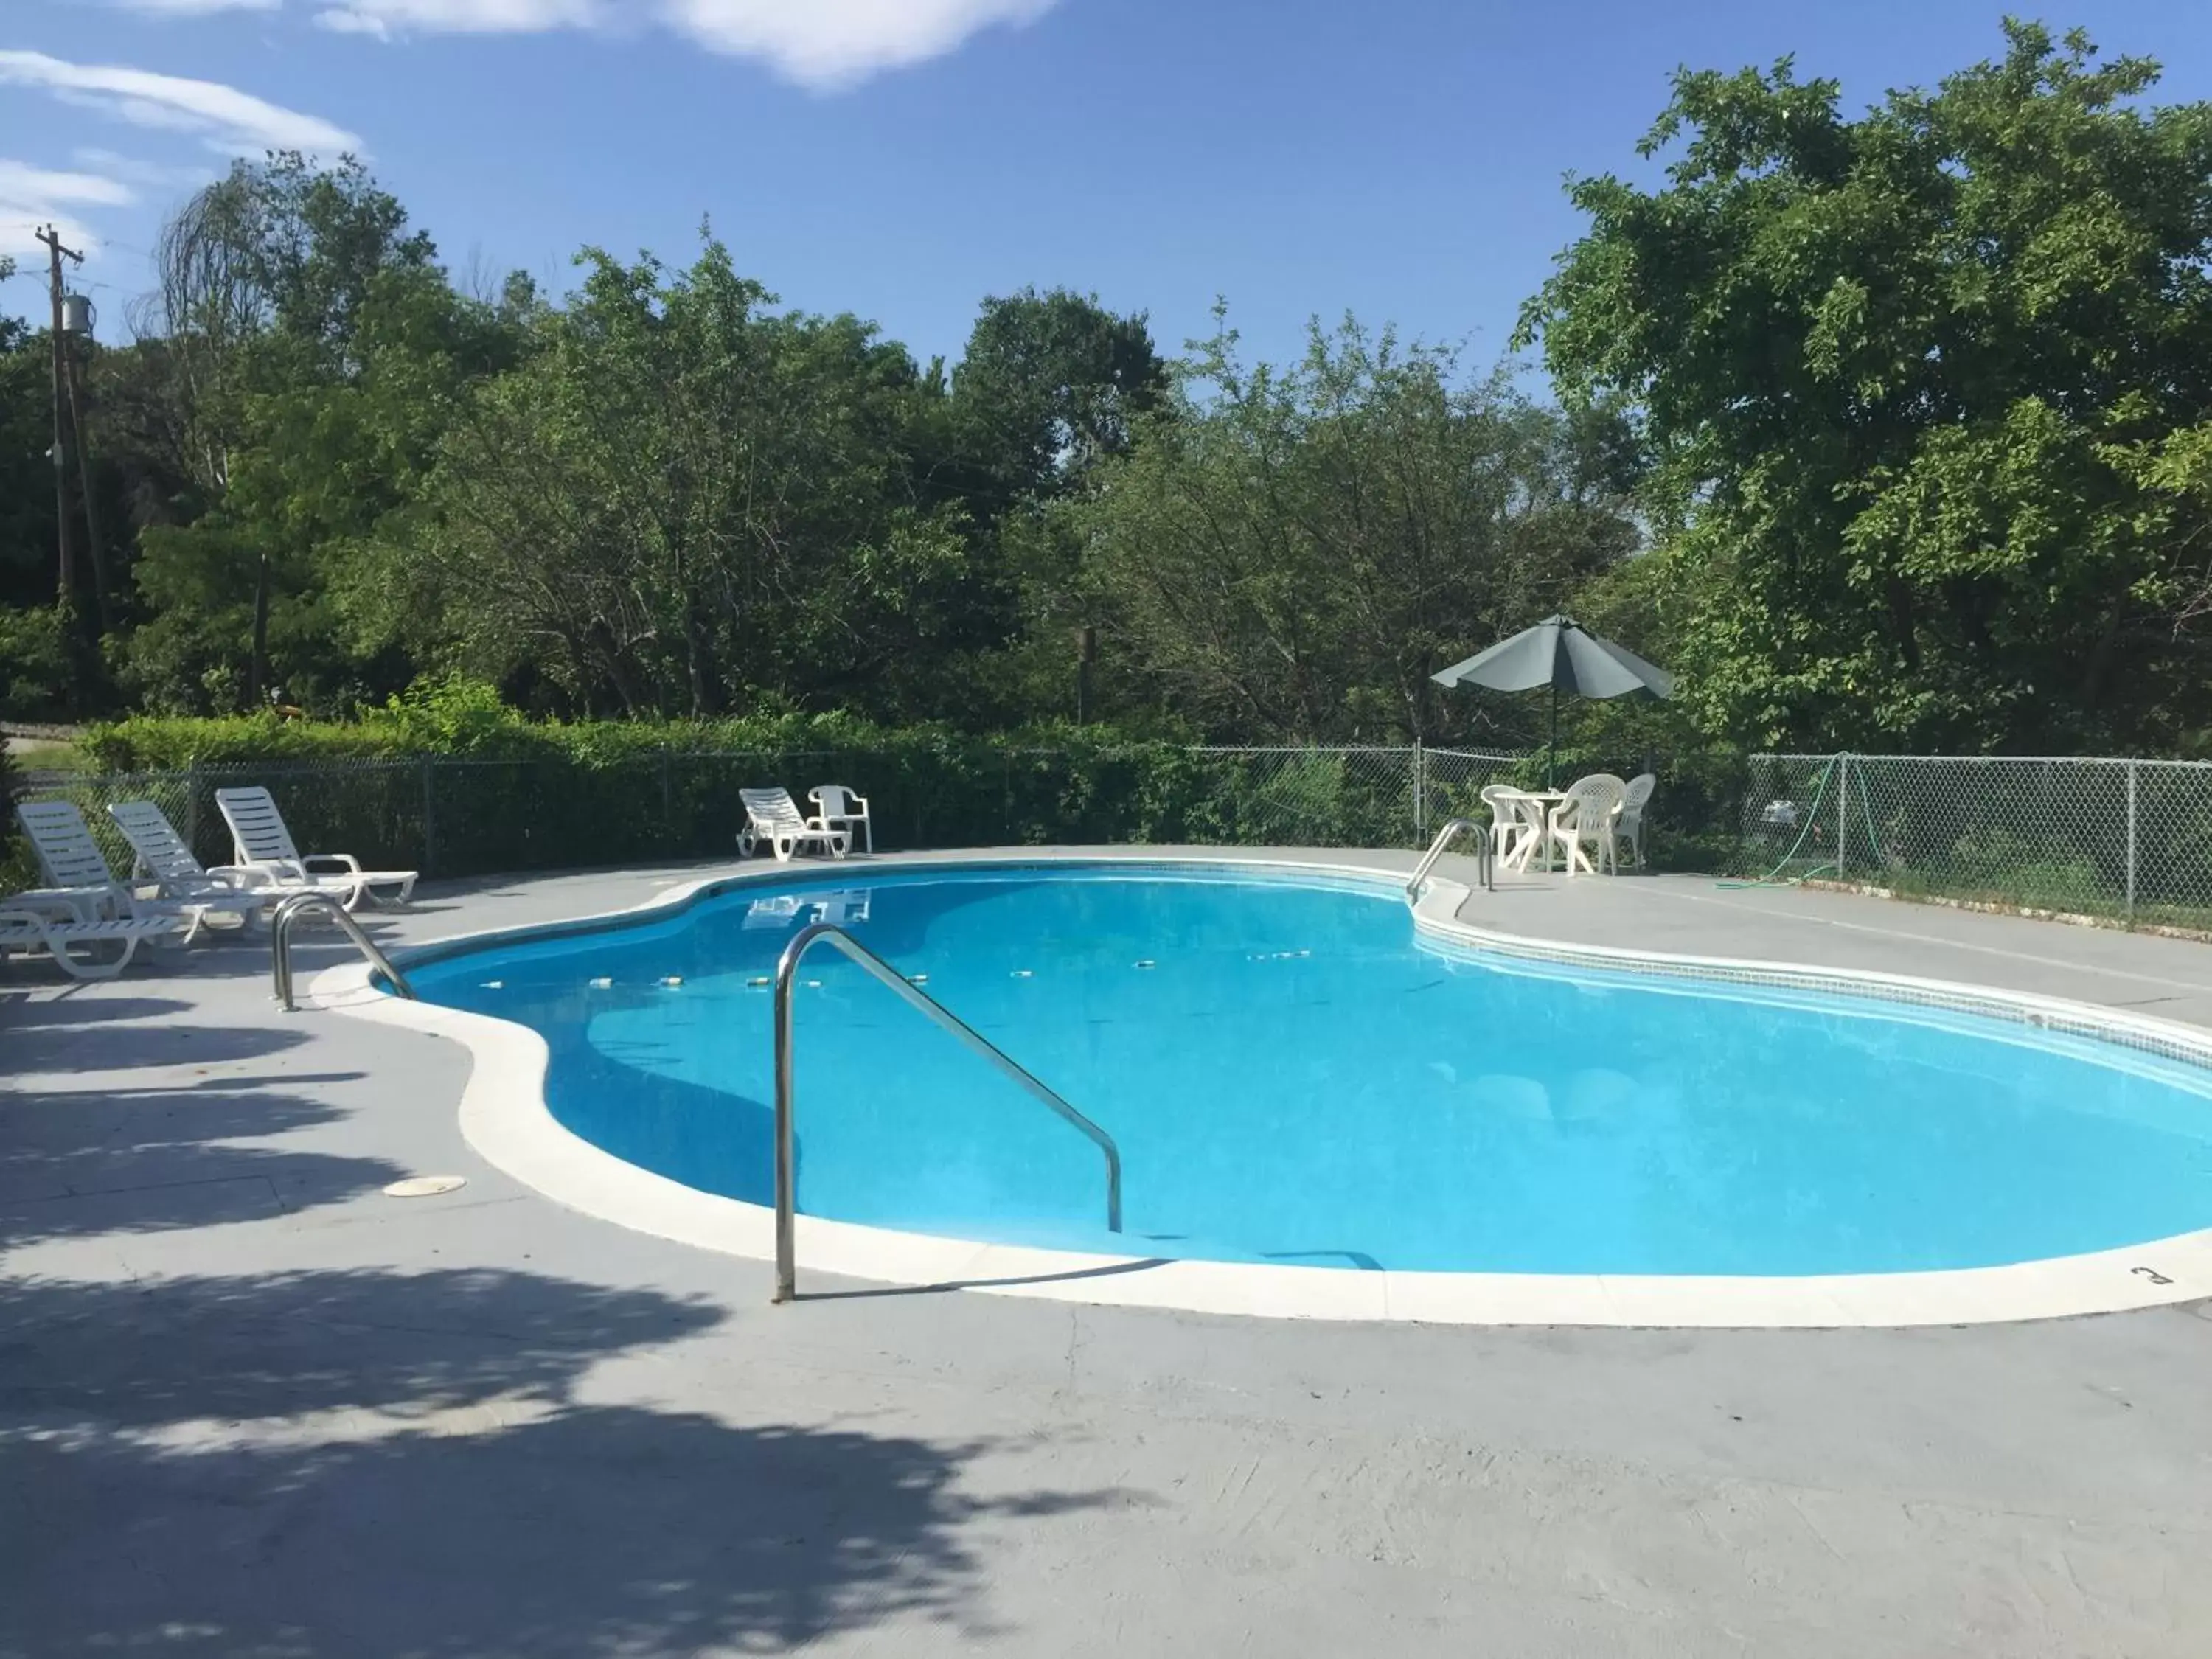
[(1437, 850), (787, 1173), (280, 945)]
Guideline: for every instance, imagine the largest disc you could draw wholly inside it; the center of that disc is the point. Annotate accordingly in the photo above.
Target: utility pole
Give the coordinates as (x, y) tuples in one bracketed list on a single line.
[(98, 548), (66, 579)]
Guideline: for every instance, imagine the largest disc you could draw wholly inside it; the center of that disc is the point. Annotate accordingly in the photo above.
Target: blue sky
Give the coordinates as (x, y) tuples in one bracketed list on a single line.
[(902, 158)]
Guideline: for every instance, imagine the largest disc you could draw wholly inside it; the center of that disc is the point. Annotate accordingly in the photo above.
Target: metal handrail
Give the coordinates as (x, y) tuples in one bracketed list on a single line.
[(280, 945), (1437, 851), (786, 1198)]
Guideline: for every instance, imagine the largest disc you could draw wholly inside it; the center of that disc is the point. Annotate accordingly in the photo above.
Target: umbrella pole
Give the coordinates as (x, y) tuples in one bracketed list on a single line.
[(1552, 755)]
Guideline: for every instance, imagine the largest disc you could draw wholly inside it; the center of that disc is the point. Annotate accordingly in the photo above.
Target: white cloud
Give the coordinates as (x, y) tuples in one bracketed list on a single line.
[(193, 8), (129, 170), (225, 119), (820, 44), (354, 23), (19, 181), (828, 43), (31, 196), (385, 18)]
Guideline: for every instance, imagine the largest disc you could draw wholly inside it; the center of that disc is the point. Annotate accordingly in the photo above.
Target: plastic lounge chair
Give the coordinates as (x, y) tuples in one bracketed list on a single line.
[(260, 842), (163, 858), (836, 807), (1630, 829), (72, 860), (64, 937), (773, 818), (1586, 817)]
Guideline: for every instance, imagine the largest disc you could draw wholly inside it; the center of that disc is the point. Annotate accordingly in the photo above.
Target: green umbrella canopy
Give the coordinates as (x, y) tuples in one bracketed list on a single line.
[(1560, 653)]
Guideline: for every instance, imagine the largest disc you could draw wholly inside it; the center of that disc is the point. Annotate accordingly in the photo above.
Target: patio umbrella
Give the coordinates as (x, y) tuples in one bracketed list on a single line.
[(1558, 652)]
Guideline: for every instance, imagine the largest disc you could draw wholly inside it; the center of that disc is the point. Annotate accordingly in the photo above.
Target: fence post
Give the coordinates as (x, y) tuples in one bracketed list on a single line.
[(2131, 840), (429, 815), (1420, 793), (1842, 781)]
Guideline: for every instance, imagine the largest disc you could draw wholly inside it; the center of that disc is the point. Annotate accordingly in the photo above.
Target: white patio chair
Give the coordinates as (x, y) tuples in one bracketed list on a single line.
[(836, 807), (774, 818), (72, 861), (1630, 827), (259, 840), (1524, 828), (1586, 817), (70, 939), (163, 858), (1508, 825)]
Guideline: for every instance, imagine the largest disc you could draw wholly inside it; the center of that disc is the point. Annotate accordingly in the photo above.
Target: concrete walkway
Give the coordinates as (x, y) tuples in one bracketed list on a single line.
[(249, 1406)]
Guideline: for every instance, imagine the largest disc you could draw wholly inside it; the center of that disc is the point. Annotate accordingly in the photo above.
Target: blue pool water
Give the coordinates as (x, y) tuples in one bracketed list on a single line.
[(1292, 1077)]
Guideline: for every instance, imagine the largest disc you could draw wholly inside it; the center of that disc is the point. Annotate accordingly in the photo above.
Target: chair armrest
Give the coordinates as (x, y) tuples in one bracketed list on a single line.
[(245, 876), (53, 904), (345, 861)]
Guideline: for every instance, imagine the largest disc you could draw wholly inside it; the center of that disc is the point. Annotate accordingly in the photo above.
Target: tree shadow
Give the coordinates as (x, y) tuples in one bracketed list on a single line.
[(91, 1045), (24, 1011), (383, 1463), (76, 1164)]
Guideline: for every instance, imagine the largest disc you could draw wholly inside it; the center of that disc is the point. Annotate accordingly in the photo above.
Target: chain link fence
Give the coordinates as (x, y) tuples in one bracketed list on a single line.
[(452, 816), (2128, 840)]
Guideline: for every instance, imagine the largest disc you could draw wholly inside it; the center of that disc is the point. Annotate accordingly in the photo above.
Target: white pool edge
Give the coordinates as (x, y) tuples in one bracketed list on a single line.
[(504, 1116)]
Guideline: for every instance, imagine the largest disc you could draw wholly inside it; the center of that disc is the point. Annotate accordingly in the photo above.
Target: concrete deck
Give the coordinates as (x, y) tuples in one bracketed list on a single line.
[(249, 1405)]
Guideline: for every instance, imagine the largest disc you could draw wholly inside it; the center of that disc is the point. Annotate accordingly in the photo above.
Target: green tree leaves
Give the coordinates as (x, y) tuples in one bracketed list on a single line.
[(1912, 382)]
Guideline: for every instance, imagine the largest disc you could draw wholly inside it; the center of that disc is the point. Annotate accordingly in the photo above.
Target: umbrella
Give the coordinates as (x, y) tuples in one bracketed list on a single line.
[(1557, 652)]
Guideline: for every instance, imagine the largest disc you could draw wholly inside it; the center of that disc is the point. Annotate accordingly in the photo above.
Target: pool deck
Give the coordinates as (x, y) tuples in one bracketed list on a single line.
[(249, 1405)]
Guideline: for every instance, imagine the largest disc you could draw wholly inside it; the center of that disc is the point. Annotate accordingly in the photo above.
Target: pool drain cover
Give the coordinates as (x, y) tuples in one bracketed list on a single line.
[(425, 1186)]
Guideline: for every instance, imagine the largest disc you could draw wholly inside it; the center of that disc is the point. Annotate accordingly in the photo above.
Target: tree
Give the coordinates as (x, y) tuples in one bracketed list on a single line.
[(683, 500), (315, 351), (1915, 384), (1050, 385), (1291, 553)]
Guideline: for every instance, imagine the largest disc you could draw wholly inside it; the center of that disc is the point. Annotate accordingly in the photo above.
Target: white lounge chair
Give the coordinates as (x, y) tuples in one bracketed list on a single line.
[(836, 807), (773, 818), (1630, 827), (260, 842), (70, 939), (73, 862), (164, 858), (1586, 817)]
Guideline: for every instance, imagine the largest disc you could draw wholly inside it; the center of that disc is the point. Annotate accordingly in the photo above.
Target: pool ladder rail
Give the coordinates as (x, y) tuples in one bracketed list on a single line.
[(280, 945), (1444, 838), (786, 1206)]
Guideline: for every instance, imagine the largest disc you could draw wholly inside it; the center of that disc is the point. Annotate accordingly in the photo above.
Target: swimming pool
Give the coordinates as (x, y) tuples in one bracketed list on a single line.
[(1297, 1075)]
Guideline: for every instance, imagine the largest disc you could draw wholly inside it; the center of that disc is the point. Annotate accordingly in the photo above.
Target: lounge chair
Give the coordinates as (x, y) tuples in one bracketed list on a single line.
[(836, 807), (1586, 817), (73, 862), (164, 858), (64, 936), (260, 842), (773, 818)]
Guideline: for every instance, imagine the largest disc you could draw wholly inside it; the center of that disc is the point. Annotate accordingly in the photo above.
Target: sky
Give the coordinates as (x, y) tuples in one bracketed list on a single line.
[(901, 159)]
